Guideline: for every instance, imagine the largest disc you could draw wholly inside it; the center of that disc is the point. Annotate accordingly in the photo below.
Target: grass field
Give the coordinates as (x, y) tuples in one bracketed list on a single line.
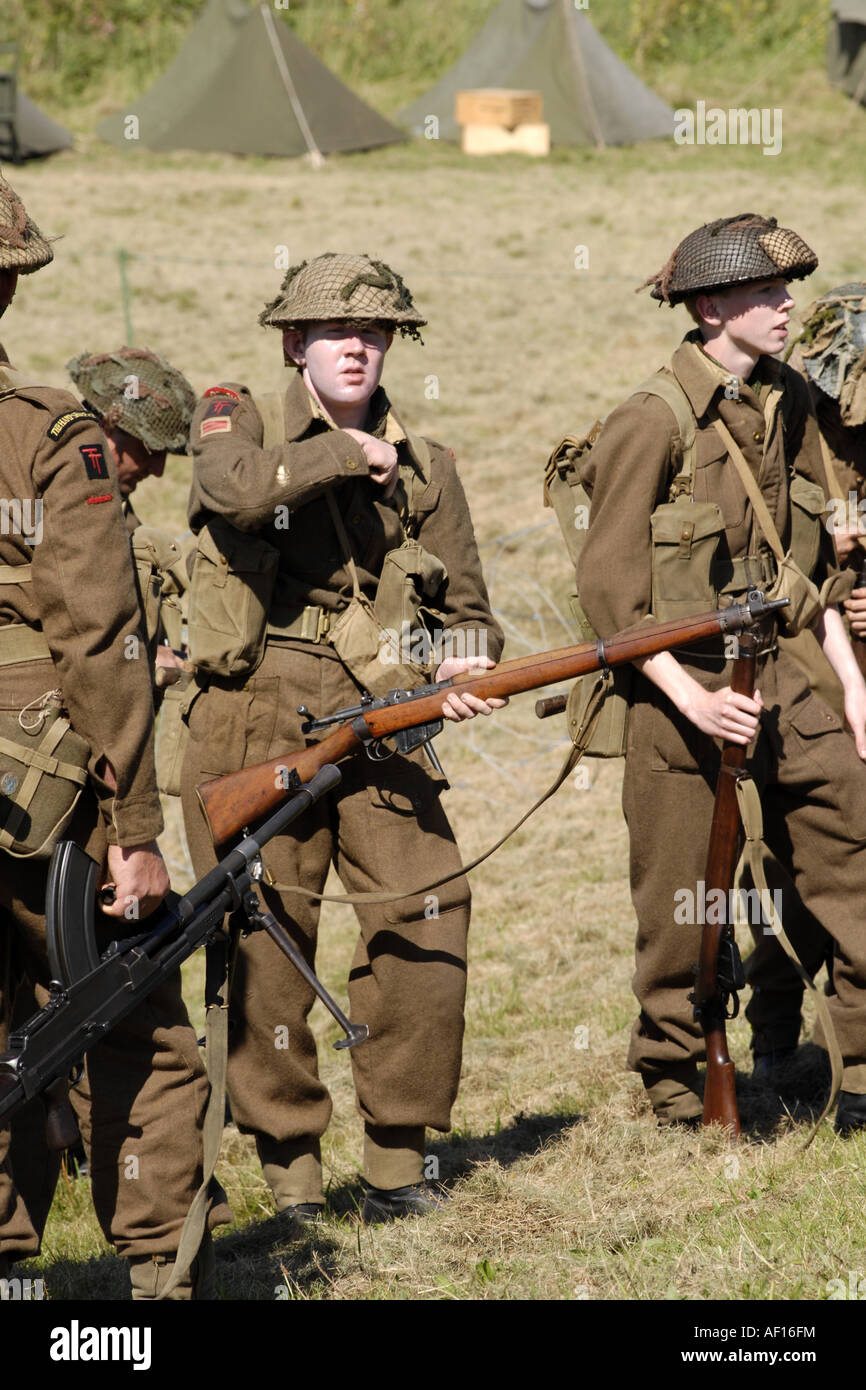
[(561, 1186)]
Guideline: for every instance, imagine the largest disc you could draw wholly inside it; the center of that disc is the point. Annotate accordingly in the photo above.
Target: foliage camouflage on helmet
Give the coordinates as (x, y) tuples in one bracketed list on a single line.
[(833, 348), (135, 390), (22, 245), (343, 288), (731, 251)]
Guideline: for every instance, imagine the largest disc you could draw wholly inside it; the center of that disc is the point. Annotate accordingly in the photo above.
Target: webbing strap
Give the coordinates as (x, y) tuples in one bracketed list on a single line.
[(18, 642), (344, 543), (16, 574), (830, 469), (573, 757), (216, 1053), (754, 854), (753, 492)]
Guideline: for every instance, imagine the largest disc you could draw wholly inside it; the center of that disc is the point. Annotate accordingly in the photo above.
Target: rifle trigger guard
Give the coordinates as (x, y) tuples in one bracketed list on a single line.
[(377, 751)]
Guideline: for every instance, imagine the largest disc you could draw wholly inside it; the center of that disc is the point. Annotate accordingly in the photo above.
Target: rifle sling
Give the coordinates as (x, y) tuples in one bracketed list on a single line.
[(754, 853), (573, 757)]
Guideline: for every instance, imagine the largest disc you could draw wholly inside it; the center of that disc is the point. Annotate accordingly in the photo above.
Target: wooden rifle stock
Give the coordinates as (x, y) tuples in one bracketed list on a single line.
[(242, 798), (711, 995)]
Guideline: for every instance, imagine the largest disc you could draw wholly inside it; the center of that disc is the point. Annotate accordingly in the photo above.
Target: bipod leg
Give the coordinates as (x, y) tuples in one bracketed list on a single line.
[(260, 919)]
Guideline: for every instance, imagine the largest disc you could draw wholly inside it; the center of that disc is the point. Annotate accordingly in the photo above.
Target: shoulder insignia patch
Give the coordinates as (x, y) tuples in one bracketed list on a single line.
[(62, 423), (220, 391), (103, 497), (221, 407), (221, 426), (94, 460)]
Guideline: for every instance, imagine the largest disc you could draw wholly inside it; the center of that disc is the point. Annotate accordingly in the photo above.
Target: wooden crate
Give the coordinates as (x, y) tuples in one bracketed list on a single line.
[(498, 106), (492, 139)]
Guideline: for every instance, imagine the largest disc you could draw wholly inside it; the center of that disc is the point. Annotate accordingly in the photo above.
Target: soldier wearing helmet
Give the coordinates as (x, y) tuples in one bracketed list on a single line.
[(733, 275), (69, 616), (353, 534), (144, 405)]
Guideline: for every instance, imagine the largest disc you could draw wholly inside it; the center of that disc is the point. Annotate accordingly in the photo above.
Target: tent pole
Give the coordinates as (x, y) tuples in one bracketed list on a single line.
[(568, 12), (316, 158)]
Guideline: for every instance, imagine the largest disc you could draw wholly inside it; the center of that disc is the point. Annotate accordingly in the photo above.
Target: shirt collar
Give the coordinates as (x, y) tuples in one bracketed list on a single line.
[(702, 377)]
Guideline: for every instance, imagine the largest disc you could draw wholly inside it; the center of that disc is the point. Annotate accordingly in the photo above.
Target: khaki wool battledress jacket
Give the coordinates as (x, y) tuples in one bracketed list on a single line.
[(54, 451), (234, 478)]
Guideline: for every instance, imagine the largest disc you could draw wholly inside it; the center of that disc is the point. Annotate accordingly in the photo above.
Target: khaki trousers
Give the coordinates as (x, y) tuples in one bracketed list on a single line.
[(383, 827), (140, 1103), (814, 803)]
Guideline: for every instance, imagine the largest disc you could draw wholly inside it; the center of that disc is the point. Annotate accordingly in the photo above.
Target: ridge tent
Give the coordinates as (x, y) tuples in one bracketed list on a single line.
[(243, 83), (846, 48), (35, 133), (549, 46)]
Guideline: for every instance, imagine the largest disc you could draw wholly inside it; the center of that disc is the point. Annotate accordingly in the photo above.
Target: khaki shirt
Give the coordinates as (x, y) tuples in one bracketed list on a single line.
[(253, 488), (629, 473), (81, 594)]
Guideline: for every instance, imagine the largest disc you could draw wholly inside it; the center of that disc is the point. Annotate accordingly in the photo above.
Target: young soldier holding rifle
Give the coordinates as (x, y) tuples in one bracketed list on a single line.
[(348, 538), (752, 413)]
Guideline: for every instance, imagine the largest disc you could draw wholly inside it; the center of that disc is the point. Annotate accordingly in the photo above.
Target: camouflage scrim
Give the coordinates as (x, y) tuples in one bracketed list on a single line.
[(135, 390), (342, 288), (22, 245), (833, 348), (731, 251)]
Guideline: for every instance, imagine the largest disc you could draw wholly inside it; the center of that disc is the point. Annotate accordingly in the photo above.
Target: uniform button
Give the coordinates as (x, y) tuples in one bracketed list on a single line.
[(351, 464), (356, 520), (758, 437)]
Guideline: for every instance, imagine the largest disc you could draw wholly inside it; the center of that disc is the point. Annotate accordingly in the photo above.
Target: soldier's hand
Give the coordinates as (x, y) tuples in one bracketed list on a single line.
[(845, 538), (722, 714), (457, 706), (381, 460), (855, 607), (138, 875)]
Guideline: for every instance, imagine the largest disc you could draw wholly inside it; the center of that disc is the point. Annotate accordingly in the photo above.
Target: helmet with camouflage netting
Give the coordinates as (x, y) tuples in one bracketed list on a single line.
[(732, 251), (342, 288), (135, 390), (22, 245), (832, 348)]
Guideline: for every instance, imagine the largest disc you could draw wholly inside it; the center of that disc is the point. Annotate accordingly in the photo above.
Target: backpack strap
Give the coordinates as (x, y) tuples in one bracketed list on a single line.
[(668, 389)]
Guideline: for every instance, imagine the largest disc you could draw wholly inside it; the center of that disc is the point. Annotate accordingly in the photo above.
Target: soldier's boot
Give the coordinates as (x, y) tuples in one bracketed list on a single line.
[(394, 1172), (675, 1094), (293, 1171), (149, 1275), (850, 1113)]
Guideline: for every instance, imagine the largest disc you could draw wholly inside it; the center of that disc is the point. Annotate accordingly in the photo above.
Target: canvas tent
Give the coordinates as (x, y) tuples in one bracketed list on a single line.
[(846, 48), (244, 84), (590, 96), (36, 133)]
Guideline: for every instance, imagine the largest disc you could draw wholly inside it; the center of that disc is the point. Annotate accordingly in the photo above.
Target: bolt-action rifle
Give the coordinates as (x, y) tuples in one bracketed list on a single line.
[(412, 718), (720, 970), (858, 562), (91, 993)]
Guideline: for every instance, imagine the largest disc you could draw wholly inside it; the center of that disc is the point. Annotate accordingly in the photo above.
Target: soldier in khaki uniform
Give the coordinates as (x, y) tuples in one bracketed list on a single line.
[(733, 276), (831, 356), (330, 481), (68, 612)]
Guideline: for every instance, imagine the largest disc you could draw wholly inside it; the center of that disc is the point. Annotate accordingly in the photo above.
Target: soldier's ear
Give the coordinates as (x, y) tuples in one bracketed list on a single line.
[(293, 347)]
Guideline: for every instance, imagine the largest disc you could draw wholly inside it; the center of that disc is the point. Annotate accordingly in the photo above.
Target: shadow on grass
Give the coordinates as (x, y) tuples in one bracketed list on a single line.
[(797, 1092)]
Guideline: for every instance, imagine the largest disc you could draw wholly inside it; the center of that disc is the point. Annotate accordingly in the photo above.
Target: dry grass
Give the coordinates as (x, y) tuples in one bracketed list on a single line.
[(561, 1186)]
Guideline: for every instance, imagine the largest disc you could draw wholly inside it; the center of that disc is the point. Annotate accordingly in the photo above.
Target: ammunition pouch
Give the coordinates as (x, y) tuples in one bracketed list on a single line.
[(608, 735), (229, 596), (43, 768), (156, 558), (685, 539)]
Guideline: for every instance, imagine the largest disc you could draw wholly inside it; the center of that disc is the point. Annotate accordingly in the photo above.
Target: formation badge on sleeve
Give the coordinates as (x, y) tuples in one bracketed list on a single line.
[(217, 418)]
